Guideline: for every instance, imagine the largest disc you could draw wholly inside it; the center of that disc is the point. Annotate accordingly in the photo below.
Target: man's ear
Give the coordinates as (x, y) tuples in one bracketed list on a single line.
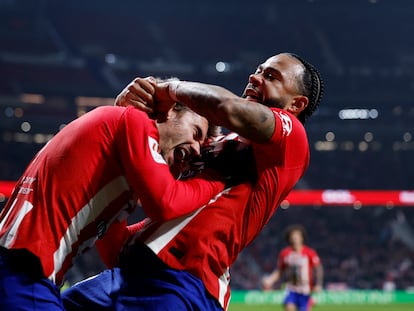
[(298, 104), (163, 117)]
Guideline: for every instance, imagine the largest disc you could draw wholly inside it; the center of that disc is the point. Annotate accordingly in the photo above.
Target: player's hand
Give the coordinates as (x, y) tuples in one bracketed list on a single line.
[(267, 283), (163, 101), (139, 93), (317, 289)]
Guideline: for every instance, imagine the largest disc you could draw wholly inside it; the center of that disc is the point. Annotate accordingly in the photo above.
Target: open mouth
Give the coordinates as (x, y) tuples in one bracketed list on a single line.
[(252, 95), (180, 165)]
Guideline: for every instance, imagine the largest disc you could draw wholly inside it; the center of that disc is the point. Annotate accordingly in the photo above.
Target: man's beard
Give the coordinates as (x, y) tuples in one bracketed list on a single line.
[(270, 102), (274, 103)]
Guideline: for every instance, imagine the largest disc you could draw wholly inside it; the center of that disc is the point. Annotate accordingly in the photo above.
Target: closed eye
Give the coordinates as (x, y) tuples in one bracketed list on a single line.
[(198, 134)]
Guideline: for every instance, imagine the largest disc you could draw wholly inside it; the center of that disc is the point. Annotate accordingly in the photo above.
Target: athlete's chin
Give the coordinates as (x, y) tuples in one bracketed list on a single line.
[(253, 99)]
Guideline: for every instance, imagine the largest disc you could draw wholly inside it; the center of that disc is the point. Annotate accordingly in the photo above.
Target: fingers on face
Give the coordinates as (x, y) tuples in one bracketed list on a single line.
[(138, 102), (140, 93), (137, 92), (147, 84)]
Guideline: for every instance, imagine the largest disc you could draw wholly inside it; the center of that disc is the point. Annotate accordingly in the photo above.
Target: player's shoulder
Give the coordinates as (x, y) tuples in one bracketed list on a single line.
[(288, 120), (106, 108), (118, 111), (131, 117), (312, 256), (105, 113), (309, 250), (287, 126), (286, 251), (118, 119)]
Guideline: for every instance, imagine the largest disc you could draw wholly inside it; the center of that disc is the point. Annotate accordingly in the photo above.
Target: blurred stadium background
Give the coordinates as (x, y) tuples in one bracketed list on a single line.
[(59, 59)]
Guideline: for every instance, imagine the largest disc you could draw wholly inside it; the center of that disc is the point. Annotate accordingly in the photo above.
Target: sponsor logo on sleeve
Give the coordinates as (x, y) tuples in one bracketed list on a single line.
[(286, 122), (155, 150)]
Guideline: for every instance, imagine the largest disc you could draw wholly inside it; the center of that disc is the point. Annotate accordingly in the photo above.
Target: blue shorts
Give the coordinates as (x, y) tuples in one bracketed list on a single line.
[(20, 291), (301, 301), (158, 288)]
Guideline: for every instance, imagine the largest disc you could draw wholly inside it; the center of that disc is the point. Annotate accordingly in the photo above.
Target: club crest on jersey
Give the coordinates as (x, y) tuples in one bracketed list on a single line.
[(154, 149), (286, 122)]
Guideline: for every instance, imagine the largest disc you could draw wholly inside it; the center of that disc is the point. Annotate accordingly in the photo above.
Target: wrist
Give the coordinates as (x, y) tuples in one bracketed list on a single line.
[(172, 90)]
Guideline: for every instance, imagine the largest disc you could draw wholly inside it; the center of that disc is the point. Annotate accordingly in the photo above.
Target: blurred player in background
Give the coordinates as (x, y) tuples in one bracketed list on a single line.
[(90, 174), (184, 264), (301, 265)]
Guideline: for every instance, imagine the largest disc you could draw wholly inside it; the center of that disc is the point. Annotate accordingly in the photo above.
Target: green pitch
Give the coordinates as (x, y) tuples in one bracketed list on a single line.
[(366, 307)]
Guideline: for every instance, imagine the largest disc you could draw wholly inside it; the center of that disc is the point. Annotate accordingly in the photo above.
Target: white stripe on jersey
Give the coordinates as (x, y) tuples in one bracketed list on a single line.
[(8, 237), (224, 282), (7, 215), (167, 231), (85, 216)]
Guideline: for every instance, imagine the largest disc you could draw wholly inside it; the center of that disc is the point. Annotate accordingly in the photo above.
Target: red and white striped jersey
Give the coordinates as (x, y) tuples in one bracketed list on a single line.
[(88, 175), (299, 268), (209, 240)]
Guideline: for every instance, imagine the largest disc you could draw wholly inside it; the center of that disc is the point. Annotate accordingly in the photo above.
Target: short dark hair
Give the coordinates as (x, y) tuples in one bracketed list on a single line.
[(311, 85), (291, 228), (213, 130)]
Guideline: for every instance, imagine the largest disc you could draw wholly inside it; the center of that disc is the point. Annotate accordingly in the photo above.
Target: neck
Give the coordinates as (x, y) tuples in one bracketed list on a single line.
[(297, 248)]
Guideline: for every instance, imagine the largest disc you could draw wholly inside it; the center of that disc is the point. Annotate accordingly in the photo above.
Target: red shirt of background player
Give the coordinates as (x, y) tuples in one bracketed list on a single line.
[(299, 268)]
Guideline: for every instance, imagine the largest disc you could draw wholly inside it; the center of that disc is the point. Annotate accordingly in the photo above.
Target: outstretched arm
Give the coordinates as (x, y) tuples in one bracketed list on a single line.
[(318, 278), (251, 120), (222, 107), (269, 280)]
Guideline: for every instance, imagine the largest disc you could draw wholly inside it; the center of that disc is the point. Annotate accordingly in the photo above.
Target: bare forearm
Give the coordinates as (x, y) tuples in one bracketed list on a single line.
[(269, 280), (275, 276), (319, 275), (251, 120)]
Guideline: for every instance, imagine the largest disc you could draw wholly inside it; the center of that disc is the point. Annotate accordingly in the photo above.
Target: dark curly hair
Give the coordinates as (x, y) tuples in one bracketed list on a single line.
[(292, 228), (311, 85)]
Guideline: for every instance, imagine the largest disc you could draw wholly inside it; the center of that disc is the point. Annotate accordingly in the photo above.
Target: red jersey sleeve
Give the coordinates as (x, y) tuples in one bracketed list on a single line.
[(314, 258), (162, 196), (280, 163), (134, 228), (110, 245), (281, 260)]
